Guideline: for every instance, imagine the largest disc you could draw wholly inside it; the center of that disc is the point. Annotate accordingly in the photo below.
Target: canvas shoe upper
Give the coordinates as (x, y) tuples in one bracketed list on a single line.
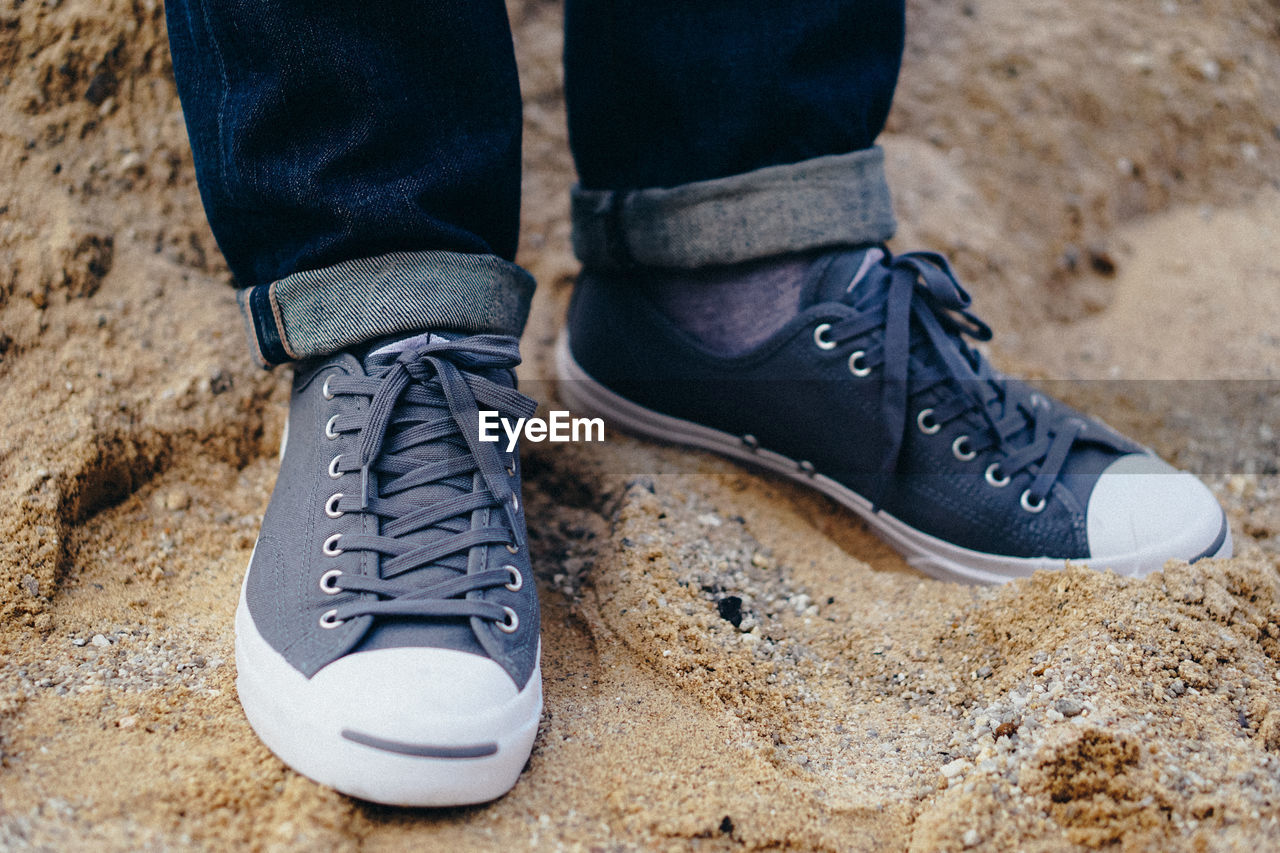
[(872, 394), (387, 633)]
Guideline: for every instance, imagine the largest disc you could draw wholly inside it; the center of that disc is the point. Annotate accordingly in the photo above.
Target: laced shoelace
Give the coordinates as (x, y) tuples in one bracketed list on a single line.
[(430, 394), (1021, 425)]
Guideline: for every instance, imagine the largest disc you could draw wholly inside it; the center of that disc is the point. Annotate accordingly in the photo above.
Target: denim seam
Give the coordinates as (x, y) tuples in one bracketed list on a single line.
[(250, 328), (225, 160), (828, 201), (275, 313)]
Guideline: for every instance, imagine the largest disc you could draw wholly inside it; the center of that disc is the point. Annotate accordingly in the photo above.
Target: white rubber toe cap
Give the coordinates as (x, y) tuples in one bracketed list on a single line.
[(1144, 511), (405, 726), (414, 695)]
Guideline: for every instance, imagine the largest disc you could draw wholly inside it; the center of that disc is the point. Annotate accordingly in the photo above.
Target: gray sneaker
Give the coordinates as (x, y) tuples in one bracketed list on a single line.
[(387, 632)]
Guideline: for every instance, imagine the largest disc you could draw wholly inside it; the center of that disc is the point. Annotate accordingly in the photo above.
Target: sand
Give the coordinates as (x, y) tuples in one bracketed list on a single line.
[(1107, 178)]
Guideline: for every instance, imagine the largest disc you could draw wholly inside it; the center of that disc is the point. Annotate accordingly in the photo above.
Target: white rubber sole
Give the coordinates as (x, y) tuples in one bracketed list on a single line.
[(928, 554), (310, 726)]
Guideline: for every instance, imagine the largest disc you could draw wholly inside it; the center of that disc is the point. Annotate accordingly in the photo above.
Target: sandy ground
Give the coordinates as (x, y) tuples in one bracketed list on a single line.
[(1107, 177)]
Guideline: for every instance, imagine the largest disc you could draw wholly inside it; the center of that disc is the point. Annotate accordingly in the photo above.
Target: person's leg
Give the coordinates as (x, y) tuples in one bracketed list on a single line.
[(667, 93), (736, 295), (359, 164), (762, 112)]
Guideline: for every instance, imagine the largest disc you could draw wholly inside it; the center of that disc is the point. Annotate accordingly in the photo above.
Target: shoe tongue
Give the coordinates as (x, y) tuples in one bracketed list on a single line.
[(381, 352), (843, 277)]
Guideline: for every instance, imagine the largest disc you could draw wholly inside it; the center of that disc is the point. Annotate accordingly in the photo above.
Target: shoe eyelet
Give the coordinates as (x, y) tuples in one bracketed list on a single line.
[(961, 450), (329, 582), (517, 579), (324, 389), (994, 477), (328, 428), (334, 473), (806, 468), (330, 547), (856, 367), (818, 336), (926, 423), (331, 506), (511, 623), (1032, 506), (330, 619), (513, 549)]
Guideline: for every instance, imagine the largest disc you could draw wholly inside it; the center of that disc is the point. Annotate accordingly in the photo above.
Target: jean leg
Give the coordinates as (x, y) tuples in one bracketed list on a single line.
[(359, 163), (669, 92)]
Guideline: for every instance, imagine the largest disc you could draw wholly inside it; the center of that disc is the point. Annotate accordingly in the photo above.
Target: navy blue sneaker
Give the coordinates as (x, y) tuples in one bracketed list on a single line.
[(872, 395), (387, 632)]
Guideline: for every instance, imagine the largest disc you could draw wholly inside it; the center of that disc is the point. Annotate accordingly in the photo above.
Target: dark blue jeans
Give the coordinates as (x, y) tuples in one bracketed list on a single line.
[(359, 162)]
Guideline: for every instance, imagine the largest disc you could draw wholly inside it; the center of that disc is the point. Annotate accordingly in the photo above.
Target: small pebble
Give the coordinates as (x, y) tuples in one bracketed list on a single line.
[(971, 838), (129, 161), (730, 609), (1069, 707), (100, 641)]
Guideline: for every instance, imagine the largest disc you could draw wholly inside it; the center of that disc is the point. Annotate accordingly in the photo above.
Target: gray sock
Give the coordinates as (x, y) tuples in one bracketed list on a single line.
[(731, 309)]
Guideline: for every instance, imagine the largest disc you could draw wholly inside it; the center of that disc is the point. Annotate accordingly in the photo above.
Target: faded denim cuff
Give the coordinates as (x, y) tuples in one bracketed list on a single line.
[(318, 312), (841, 200)]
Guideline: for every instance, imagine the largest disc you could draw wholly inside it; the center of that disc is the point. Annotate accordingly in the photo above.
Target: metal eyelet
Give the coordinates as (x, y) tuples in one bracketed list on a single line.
[(513, 549), (330, 547), (1029, 506), (331, 506), (751, 442), (806, 468), (517, 579), (329, 582), (328, 428), (330, 619), (856, 367), (959, 451), (818, 332), (511, 623), (334, 473), (324, 389), (925, 421), (993, 478)]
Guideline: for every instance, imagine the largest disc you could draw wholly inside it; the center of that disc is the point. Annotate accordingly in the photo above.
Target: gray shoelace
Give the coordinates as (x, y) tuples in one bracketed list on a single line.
[(919, 291), (422, 429)]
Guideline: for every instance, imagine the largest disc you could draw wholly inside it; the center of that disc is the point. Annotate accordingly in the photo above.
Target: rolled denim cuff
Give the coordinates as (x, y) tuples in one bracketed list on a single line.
[(322, 311), (841, 200)]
